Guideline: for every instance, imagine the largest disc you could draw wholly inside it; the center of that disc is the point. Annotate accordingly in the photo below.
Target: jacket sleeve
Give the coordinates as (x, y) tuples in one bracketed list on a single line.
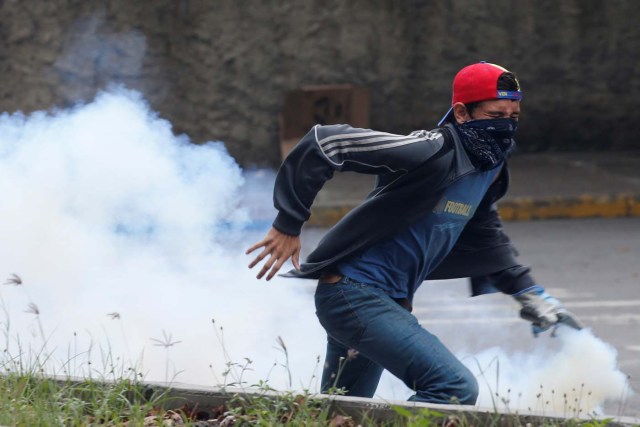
[(326, 149)]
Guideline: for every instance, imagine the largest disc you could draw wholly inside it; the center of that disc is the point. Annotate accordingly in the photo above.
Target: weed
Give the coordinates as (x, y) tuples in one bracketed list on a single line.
[(167, 342)]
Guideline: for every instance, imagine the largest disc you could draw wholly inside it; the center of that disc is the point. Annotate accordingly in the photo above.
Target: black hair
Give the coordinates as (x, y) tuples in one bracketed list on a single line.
[(506, 81)]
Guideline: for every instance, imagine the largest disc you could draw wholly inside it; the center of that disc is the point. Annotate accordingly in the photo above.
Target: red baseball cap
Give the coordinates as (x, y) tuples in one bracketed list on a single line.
[(479, 82)]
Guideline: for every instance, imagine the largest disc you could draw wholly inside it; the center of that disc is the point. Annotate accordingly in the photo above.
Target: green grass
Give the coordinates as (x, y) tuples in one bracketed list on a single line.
[(34, 400)]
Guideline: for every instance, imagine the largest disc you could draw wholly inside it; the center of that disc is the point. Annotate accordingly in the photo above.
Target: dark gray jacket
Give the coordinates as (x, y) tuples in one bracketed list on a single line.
[(412, 173)]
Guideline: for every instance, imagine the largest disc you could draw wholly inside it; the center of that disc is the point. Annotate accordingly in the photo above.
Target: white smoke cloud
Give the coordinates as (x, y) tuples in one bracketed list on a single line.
[(95, 50), (104, 210), (570, 375)]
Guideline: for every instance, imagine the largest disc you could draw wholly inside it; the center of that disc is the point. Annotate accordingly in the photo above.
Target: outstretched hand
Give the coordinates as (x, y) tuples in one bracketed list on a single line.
[(280, 247)]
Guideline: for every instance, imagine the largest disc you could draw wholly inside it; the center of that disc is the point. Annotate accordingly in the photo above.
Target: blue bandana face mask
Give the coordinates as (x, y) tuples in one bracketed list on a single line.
[(488, 141), (499, 129)]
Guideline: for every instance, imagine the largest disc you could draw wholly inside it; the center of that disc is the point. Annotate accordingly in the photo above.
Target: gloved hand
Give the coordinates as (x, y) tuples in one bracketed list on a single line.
[(544, 311)]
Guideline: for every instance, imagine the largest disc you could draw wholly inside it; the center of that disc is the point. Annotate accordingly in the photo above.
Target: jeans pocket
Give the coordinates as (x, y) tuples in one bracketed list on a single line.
[(325, 294), (338, 318)]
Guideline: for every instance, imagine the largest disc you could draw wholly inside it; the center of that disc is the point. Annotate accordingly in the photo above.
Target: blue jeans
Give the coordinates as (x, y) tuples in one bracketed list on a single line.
[(364, 318)]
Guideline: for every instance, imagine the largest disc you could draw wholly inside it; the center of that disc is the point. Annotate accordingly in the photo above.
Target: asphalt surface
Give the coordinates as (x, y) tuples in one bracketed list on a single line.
[(592, 265)]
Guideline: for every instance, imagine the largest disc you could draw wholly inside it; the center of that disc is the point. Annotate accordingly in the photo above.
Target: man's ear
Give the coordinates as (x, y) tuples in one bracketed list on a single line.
[(460, 113)]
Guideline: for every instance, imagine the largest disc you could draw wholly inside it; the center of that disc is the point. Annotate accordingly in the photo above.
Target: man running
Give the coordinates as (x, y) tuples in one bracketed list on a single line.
[(431, 215)]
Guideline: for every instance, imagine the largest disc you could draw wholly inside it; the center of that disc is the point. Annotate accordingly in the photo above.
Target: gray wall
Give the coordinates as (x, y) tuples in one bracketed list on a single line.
[(219, 69)]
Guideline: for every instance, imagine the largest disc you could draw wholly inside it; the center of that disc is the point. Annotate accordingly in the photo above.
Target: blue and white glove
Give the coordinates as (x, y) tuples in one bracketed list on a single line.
[(544, 311)]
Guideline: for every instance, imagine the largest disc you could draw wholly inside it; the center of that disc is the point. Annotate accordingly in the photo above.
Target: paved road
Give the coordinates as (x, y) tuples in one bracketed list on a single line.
[(592, 265), (597, 264)]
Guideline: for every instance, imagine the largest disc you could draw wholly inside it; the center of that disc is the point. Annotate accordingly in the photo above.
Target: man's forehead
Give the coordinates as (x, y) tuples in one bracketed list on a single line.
[(500, 104)]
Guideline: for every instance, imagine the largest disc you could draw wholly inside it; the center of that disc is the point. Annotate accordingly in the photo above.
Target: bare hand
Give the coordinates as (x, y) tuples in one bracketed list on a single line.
[(280, 247)]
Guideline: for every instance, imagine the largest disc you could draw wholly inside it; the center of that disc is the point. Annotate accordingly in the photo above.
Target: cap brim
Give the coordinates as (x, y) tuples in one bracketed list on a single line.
[(447, 117)]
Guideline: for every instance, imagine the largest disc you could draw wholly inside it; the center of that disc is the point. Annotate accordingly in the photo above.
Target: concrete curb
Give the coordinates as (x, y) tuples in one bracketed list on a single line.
[(213, 397), (586, 206), (209, 399), (524, 209)]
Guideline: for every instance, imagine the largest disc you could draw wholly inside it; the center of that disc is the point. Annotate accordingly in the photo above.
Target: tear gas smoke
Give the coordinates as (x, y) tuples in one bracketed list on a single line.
[(574, 379), (129, 240), (104, 210)]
